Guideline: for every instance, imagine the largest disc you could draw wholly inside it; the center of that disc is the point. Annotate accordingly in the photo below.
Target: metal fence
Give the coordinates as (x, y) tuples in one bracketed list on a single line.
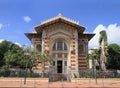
[(17, 73), (84, 79), (99, 74), (81, 74)]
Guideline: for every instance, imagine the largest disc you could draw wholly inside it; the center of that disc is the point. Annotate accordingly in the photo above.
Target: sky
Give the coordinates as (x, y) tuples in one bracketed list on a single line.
[(20, 16)]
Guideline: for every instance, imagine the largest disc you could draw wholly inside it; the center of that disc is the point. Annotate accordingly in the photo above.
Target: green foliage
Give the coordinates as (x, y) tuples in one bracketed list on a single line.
[(4, 72), (14, 56), (103, 36), (4, 47), (29, 74), (11, 55), (29, 58), (103, 47), (42, 57), (103, 42), (19, 73), (113, 59), (95, 55), (96, 52)]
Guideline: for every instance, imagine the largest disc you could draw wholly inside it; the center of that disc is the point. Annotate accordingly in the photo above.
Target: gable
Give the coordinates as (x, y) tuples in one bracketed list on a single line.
[(61, 20)]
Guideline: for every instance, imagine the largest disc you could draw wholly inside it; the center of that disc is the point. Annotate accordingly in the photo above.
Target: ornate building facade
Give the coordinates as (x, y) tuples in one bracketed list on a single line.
[(63, 38)]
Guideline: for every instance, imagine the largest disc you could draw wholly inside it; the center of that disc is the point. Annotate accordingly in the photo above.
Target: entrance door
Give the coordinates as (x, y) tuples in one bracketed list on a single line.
[(59, 66)]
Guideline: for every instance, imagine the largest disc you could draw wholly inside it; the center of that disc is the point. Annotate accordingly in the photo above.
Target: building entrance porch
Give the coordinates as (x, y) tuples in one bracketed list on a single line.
[(60, 70), (59, 66)]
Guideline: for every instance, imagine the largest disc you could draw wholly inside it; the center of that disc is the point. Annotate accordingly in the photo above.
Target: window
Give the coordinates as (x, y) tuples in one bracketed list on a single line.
[(65, 55), (54, 46), (60, 50), (59, 55), (65, 47), (38, 47), (65, 63), (59, 46), (80, 49)]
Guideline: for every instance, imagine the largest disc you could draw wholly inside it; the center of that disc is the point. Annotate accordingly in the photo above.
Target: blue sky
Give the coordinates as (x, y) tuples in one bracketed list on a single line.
[(20, 16)]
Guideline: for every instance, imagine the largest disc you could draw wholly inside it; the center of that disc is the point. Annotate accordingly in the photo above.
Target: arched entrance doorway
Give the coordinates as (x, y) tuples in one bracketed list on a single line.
[(60, 54)]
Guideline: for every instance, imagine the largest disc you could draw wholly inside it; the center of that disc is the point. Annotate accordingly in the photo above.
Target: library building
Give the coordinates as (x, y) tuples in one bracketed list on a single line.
[(65, 39)]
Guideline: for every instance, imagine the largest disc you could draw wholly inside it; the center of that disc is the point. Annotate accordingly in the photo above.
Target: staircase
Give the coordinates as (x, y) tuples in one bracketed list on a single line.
[(60, 77)]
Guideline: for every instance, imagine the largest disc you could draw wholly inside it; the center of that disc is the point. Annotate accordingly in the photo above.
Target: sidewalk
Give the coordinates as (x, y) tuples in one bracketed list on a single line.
[(43, 83)]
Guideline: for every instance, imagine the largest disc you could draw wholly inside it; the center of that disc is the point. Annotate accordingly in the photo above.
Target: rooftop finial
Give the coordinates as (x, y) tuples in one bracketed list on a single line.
[(59, 14)]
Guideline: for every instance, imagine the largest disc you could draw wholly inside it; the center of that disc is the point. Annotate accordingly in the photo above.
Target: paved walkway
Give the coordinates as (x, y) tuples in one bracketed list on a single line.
[(43, 83)]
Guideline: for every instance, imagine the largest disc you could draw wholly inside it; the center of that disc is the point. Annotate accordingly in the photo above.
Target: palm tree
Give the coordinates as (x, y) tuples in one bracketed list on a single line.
[(103, 48)]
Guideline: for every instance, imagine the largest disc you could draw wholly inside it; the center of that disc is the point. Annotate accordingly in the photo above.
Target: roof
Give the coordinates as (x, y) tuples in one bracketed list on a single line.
[(31, 35), (89, 35), (59, 18)]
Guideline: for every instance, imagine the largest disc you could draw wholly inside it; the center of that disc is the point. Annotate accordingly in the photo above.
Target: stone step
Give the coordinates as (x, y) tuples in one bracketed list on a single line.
[(83, 68), (60, 77)]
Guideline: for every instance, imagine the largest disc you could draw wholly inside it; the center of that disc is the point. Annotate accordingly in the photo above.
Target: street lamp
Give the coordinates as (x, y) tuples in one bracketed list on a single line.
[(26, 63), (26, 53)]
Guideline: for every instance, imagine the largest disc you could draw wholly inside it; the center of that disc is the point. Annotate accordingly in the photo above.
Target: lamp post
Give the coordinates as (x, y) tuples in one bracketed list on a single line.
[(26, 63), (26, 53)]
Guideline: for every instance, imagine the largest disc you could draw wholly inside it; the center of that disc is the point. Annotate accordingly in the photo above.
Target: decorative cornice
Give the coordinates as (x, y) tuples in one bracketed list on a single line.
[(60, 16)]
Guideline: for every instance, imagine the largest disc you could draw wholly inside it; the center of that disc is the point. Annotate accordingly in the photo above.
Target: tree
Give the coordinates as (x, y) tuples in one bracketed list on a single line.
[(94, 56), (42, 58), (7, 49), (14, 56), (113, 59), (103, 47), (29, 59), (46, 57), (4, 47)]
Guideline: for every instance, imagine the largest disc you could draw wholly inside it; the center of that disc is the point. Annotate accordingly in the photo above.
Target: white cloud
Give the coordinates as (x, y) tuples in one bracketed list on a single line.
[(1, 40), (1, 25), (18, 44), (4, 25), (113, 34), (10, 41), (27, 19)]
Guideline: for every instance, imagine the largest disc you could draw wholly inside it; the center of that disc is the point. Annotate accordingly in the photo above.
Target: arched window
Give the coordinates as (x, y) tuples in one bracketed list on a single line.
[(65, 46), (38, 47), (54, 46), (59, 45)]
